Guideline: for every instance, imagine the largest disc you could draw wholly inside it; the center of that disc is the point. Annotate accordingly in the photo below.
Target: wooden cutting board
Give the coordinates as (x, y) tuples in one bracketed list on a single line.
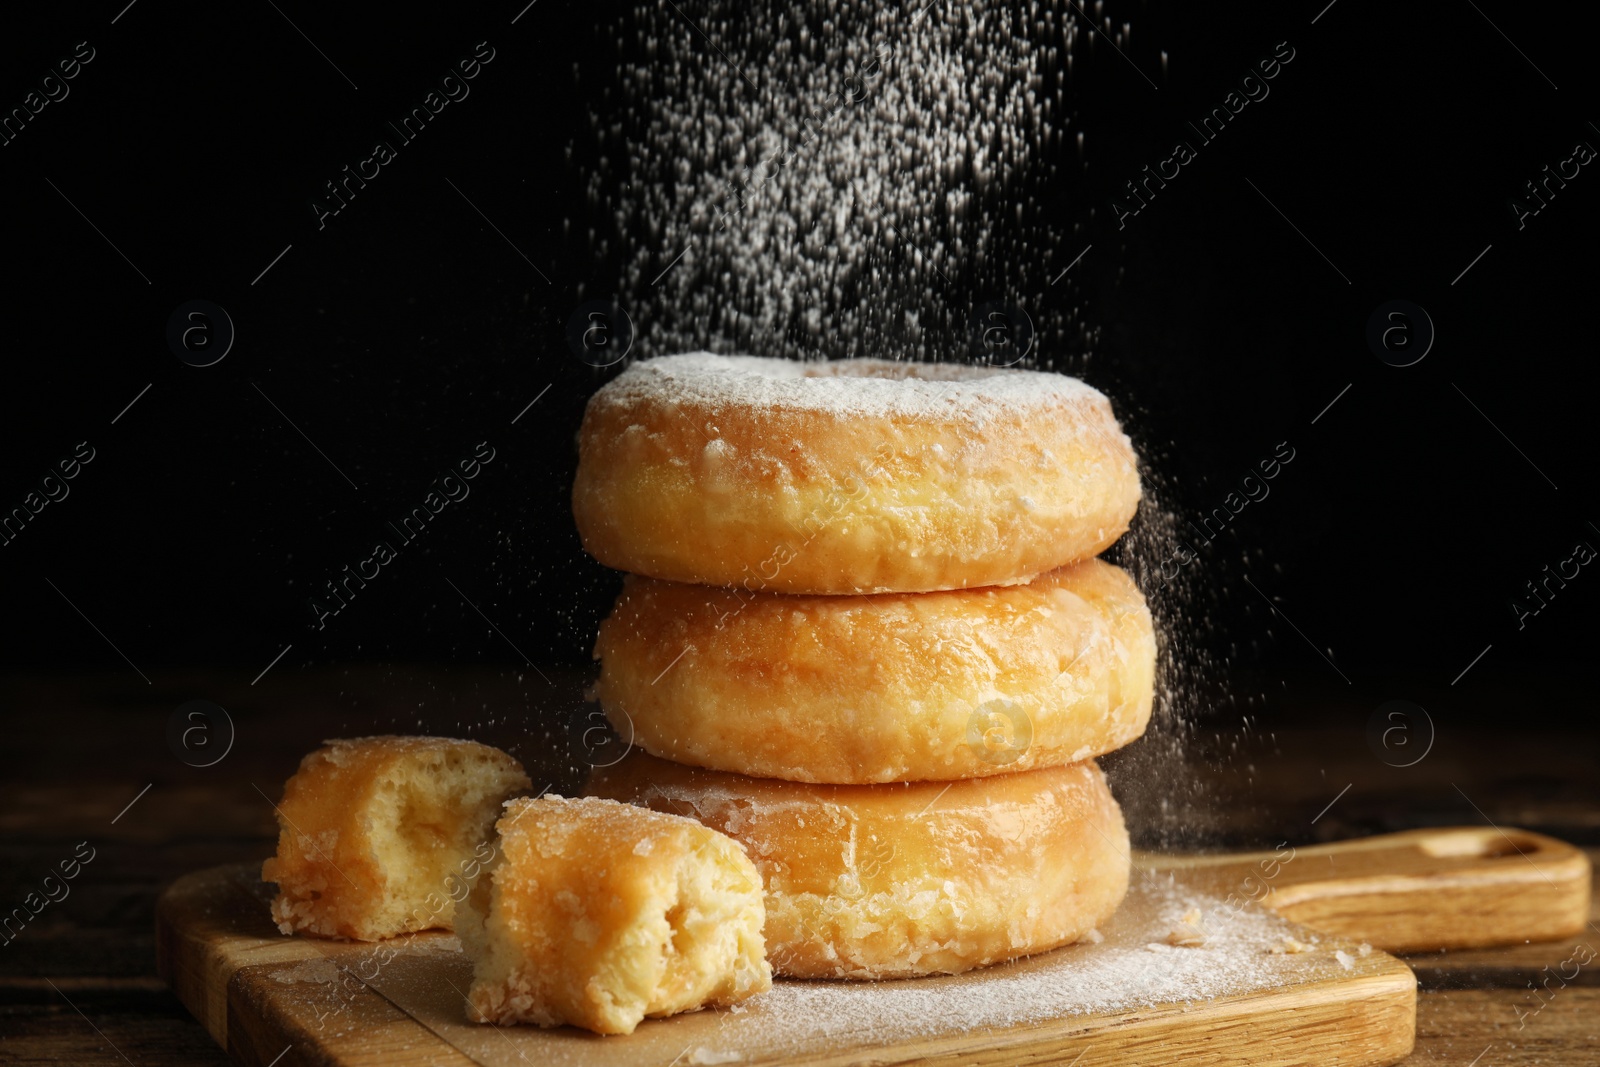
[(1193, 969)]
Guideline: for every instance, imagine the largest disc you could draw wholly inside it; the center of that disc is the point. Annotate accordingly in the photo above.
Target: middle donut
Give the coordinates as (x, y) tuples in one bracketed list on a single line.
[(890, 687)]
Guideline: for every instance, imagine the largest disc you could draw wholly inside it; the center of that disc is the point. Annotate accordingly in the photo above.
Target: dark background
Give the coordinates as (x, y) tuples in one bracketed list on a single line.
[(411, 328), (408, 330)]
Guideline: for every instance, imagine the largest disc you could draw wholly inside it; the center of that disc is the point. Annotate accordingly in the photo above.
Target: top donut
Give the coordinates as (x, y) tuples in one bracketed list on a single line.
[(850, 476)]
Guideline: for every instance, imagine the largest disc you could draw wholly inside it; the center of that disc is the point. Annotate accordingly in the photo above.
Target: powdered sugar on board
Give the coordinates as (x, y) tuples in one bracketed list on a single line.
[(1139, 966), (1131, 969)]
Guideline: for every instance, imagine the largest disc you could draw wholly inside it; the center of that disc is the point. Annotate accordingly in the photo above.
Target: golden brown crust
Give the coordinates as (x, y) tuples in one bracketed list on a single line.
[(883, 688), (380, 836), (905, 880), (692, 483), (599, 914)]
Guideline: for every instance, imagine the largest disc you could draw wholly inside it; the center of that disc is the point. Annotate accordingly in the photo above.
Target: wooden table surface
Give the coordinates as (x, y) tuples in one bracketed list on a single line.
[(88, 760)]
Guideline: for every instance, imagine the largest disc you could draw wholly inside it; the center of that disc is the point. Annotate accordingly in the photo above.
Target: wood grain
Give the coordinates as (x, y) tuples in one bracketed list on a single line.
[(1457, 1027), (264, 995), (98, 947), (1416, 891), (223, 957)]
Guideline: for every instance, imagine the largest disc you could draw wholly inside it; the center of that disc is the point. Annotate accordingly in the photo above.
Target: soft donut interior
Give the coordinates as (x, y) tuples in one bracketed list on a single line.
[(710, 928), (426, 818), (687, 934), (378, 835)]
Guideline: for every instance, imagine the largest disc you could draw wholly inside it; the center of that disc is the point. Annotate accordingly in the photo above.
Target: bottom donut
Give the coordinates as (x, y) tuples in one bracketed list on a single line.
[(903, 880)]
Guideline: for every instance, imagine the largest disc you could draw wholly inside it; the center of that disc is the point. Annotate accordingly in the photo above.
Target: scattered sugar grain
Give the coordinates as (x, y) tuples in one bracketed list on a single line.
[(837, 177), (319, 970), (703, 1055), (1118, 974)]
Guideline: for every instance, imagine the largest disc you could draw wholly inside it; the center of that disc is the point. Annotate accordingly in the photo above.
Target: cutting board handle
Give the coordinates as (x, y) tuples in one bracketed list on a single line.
[(1416, 891)]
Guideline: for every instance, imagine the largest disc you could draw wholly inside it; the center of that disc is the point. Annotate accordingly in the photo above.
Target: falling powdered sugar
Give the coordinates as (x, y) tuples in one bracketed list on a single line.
[(837, 178)]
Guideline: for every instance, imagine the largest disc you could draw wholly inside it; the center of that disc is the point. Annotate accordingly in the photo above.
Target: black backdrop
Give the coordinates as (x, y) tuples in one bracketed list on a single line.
[(408, 330)]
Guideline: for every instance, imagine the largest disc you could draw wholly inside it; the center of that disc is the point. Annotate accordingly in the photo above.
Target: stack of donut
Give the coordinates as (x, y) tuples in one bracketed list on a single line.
[(865, 634)]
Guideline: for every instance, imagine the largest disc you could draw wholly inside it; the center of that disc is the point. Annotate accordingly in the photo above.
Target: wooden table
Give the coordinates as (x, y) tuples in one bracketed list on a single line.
[(78, 983)]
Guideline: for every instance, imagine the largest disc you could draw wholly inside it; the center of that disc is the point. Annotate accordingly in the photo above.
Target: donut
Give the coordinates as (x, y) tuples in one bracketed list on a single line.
[(380, 836), (883, 688), (852, 476), (599, 914), (897, 881)]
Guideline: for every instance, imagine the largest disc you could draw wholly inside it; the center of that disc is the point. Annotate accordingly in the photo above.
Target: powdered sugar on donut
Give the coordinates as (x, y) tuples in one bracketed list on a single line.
[(867, 388)]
